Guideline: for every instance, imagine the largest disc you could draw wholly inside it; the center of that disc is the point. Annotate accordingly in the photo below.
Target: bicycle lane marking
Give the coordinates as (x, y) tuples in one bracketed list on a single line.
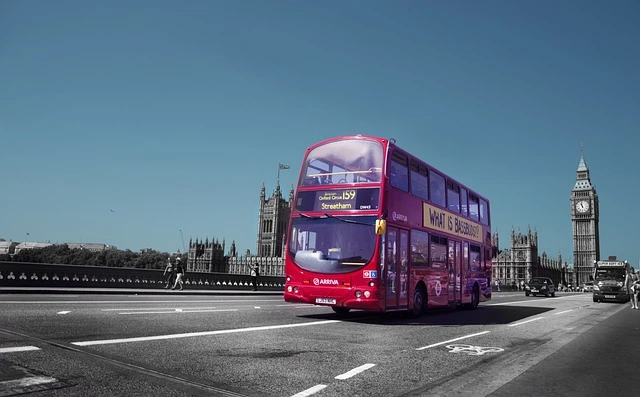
[(453, 340)]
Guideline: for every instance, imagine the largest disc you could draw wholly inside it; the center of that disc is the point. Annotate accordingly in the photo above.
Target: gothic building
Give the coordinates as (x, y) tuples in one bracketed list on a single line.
[(522, 262), (273, 218), (208, 256), (585, 216)]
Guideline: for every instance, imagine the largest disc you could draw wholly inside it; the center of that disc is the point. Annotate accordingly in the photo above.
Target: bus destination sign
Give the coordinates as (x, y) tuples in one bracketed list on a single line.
[(338, 200)]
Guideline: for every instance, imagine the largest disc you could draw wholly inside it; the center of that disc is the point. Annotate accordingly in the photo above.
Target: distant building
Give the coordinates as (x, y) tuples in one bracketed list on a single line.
[(7, 247), (93, 247), (28, 246), (521, 262), (208, 256), (273, 219)]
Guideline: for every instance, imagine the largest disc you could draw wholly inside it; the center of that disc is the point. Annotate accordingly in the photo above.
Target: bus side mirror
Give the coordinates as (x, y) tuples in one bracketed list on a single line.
[(381, 226)]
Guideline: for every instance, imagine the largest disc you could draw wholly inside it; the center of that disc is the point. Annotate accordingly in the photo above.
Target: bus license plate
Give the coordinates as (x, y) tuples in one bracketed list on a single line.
[(326, 301), (610, 297)]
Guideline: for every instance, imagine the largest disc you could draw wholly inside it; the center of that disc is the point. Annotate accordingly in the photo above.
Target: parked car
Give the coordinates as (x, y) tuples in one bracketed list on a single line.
[(540, 285), (587, 287)]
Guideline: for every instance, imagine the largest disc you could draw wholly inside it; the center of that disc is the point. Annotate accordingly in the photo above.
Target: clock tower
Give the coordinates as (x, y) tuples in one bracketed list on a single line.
[(584, 220)]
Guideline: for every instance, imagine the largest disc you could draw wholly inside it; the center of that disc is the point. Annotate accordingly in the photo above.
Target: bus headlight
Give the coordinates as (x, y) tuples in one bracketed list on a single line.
[(289, 289), (367, 294), (358, 294)]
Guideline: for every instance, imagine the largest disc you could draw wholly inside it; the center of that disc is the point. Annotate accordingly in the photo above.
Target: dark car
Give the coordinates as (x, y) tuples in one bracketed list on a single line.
[(540, 285)]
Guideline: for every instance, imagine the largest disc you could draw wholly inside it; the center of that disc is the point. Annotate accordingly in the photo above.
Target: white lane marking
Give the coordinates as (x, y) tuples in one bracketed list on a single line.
[(453, 340), (173, 301), (18, 349), (310, 391), (65, 312), (182, 311), (528, 301), (130, 309), (355, 371), (525, 322), (26, 382), (566, 311), (256, 307), (204, 333)]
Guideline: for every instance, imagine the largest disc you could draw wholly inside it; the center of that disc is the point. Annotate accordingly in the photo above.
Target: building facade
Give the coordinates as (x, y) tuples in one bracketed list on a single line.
[(273, 219), (512, 267), (208, 256), (585, 216)]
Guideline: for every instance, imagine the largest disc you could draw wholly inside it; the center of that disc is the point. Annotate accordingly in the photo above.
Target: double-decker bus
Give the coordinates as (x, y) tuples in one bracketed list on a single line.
[(374, 227), (608, 280)]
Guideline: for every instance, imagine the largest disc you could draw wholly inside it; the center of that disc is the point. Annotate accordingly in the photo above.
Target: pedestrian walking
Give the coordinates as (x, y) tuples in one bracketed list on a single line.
[(497, 283), (255, 272), (168, 274), (179, 274), (632, 284)]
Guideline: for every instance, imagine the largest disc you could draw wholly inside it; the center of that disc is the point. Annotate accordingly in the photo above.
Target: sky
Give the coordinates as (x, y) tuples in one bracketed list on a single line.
[(143, 124)]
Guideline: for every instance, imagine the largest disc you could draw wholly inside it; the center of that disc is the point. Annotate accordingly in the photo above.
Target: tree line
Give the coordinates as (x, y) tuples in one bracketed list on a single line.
[(63, 255)]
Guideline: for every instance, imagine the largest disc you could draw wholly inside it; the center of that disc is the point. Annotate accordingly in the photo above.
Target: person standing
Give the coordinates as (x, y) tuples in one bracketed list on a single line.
[(631, 283), (179, 274), (168, 273), (255, 272)]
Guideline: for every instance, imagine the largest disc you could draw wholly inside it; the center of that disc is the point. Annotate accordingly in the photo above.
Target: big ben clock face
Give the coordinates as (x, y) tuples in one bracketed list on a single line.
[(582, 206)]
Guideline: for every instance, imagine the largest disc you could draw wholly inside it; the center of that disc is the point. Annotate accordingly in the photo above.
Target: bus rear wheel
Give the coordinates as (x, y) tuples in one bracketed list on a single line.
[(340, 309)]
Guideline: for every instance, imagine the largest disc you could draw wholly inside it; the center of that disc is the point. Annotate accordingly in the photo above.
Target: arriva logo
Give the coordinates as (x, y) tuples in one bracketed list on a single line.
[(324, 281)]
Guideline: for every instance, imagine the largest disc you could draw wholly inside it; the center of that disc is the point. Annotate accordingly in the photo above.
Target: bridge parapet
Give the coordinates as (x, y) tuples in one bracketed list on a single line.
[(21, 274)]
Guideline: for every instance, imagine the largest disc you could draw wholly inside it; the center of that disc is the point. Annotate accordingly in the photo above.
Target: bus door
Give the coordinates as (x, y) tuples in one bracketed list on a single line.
[(397, 257), (454, 263)]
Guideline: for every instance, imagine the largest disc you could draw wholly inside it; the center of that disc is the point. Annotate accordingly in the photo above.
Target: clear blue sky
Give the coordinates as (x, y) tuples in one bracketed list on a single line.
[(174, 113)]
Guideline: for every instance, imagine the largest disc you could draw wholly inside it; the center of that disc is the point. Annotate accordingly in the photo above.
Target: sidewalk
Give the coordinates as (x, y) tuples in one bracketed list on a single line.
[(135, 291)]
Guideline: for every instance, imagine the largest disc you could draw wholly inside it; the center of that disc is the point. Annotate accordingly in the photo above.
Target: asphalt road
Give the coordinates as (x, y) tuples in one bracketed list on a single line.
[(185, 345)]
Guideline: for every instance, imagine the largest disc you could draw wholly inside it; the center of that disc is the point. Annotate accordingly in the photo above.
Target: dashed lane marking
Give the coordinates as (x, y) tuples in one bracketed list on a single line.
[(65, 312), (525, 322), (566, 311), (18, 349), (182, 311), (205, 333), (310, 391), (355, 371)]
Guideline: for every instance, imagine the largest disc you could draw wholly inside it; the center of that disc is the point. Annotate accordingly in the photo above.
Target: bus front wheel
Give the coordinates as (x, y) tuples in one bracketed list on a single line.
[(419, 301), (475, 299)]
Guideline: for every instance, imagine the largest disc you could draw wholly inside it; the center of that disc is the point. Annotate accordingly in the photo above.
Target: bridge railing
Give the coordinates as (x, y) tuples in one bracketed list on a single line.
[(21, 274)]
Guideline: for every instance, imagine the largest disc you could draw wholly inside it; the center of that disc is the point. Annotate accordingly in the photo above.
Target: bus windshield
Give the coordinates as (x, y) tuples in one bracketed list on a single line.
[(332, 244), (345, 161), (610, 274)]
